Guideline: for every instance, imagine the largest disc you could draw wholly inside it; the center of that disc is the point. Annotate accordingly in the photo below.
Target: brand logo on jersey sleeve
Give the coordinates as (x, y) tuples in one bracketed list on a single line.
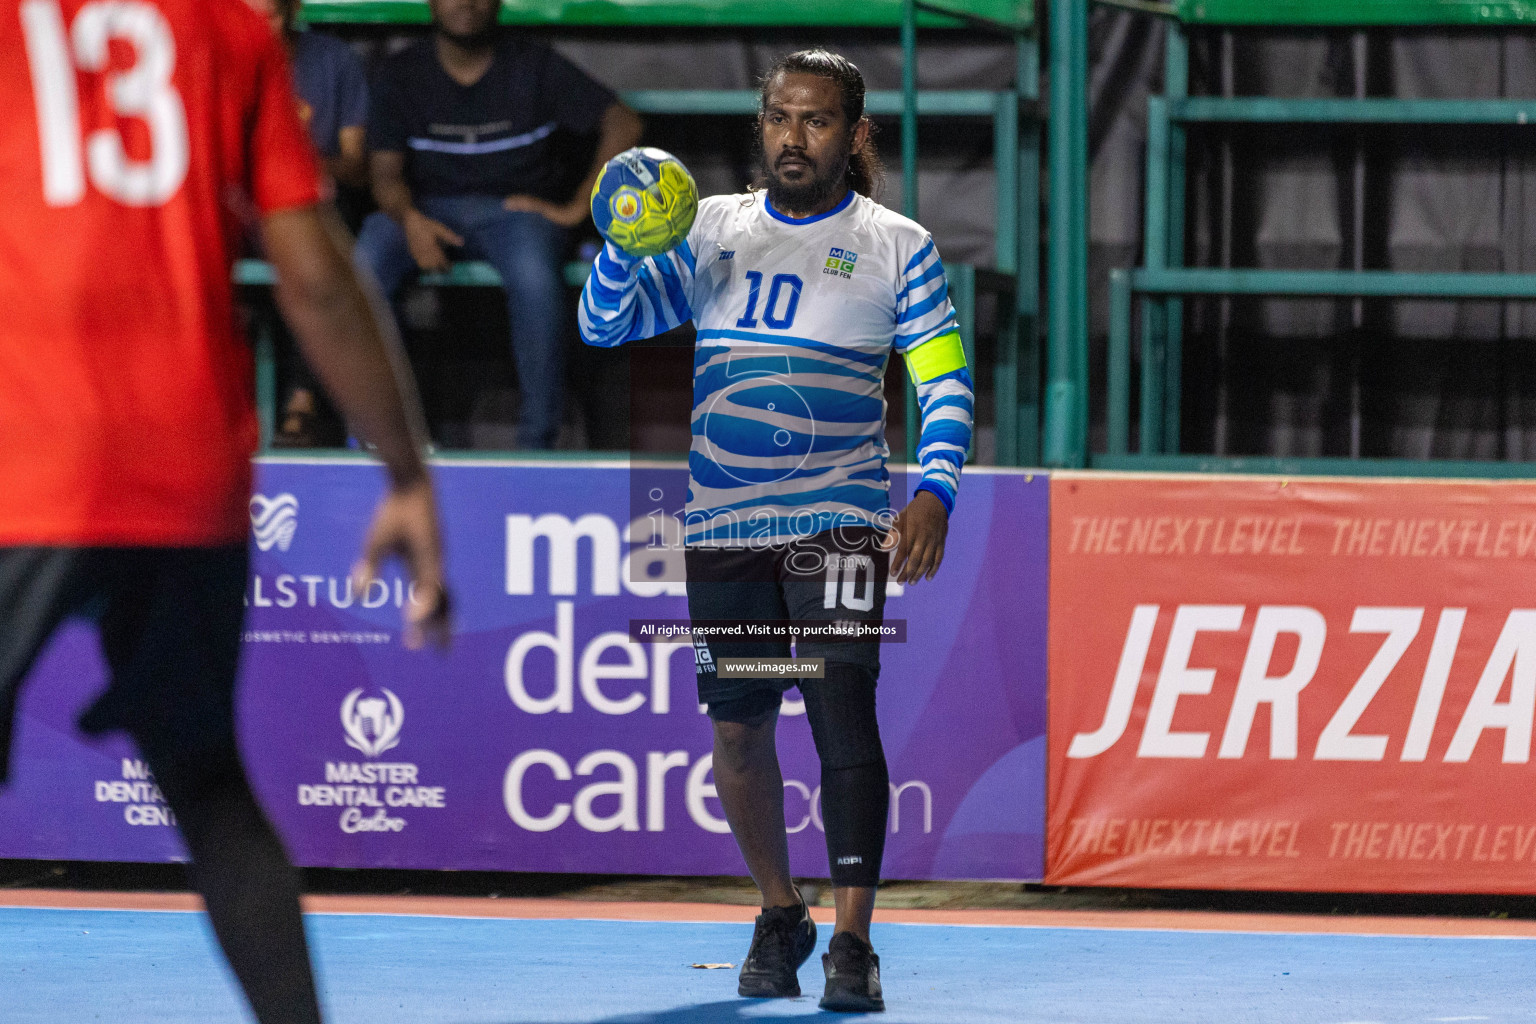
[(840, 262)]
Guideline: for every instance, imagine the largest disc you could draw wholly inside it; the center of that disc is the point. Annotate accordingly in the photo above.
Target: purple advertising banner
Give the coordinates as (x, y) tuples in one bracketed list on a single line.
[(547, 738)]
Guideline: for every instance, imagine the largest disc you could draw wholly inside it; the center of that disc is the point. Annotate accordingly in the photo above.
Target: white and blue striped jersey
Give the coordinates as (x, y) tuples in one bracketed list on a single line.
[(796, 320)]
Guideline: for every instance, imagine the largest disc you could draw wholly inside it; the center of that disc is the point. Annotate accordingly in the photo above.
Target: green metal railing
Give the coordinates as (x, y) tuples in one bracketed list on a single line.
[(1066, 401), (1016, 146), (966, 284), (1355, 13), (1162, 285), (686, 13), (1269, 110), (1015, 121), (1162, 326), (255, 273), (1159, 391), (1016, 156)]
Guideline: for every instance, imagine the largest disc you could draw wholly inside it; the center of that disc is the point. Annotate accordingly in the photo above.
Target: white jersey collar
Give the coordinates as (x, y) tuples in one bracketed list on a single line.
[(847, 200)]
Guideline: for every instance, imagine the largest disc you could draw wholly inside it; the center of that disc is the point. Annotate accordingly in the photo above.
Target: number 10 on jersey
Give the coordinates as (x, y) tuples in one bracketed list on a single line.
[(783, 301)]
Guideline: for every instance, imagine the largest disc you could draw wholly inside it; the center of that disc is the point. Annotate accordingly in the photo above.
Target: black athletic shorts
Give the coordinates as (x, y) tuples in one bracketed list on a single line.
[(169, 620), (838, 575)]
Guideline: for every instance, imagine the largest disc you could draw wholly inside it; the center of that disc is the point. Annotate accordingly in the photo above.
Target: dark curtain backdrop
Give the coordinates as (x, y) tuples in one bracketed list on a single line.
[(1295, 378), (1449, 380)]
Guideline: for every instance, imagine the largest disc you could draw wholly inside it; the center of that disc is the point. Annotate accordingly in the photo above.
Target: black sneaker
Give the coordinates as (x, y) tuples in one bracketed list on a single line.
[(853, 976), (782, 941)]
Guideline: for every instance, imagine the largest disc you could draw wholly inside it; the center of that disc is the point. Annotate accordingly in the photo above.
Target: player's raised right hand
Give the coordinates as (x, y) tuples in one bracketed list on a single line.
[(425, 238), (644, 201)]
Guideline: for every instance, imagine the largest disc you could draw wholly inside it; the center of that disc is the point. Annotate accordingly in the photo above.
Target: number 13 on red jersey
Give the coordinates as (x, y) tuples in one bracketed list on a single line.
[(142, 91)]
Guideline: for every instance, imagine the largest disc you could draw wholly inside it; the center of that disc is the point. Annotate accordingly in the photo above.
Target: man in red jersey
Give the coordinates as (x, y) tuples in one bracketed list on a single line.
[(140, 138)]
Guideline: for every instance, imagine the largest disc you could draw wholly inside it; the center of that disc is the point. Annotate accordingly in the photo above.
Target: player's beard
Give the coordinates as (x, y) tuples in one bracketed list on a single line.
[(829, 181)]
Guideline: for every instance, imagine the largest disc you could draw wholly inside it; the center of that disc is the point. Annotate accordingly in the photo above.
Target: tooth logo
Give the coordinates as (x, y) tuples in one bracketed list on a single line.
[(372, 723), (274, 521)]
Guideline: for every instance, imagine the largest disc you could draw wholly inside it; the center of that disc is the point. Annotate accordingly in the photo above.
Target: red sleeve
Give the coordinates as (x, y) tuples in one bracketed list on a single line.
[(284, 172)]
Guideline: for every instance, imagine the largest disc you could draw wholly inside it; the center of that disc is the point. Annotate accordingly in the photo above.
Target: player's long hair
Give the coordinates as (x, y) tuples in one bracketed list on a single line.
[(866, 172)]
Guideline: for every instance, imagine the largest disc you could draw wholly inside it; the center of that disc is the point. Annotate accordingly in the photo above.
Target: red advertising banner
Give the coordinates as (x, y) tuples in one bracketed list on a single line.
[(1292, 684)]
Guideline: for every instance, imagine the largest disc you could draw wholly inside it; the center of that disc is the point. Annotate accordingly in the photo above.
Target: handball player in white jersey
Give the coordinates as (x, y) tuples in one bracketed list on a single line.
[(801, 289)]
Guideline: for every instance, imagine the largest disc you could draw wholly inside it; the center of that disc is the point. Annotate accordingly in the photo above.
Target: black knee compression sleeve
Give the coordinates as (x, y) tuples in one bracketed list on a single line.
[(855, 787), (752, 708)]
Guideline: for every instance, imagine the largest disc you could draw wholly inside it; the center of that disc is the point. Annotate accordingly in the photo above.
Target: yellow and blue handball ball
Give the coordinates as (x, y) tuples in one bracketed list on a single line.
[(644, 201)]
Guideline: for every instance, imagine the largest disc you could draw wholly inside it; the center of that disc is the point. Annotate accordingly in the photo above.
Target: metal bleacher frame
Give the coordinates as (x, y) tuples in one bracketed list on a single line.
[(1162, 283), (1016, 137)]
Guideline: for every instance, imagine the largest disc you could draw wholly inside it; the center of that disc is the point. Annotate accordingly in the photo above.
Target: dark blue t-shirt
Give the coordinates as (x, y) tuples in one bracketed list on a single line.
[(499, 136), (332, 88)]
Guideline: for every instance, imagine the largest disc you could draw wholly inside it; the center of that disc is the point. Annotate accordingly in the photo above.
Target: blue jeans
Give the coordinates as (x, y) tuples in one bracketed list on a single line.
[(526, 251)]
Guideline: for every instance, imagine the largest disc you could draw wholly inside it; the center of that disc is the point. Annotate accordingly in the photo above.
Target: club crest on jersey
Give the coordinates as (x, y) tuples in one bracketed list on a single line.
[(840, 262)]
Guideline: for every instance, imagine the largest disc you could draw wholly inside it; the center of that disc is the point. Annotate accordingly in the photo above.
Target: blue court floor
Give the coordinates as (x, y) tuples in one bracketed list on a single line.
[(132, 967)]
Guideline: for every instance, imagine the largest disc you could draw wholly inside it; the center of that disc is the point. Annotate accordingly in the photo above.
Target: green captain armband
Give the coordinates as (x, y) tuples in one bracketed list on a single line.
[(935, 357)]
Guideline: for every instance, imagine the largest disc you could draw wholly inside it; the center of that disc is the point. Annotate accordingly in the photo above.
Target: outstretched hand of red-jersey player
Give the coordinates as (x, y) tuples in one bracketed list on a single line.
[(405, 526)]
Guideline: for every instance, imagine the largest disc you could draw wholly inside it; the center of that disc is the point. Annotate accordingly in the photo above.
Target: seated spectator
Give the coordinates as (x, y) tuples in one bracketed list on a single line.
[(332, 91), (332, 94), (463, 129)]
